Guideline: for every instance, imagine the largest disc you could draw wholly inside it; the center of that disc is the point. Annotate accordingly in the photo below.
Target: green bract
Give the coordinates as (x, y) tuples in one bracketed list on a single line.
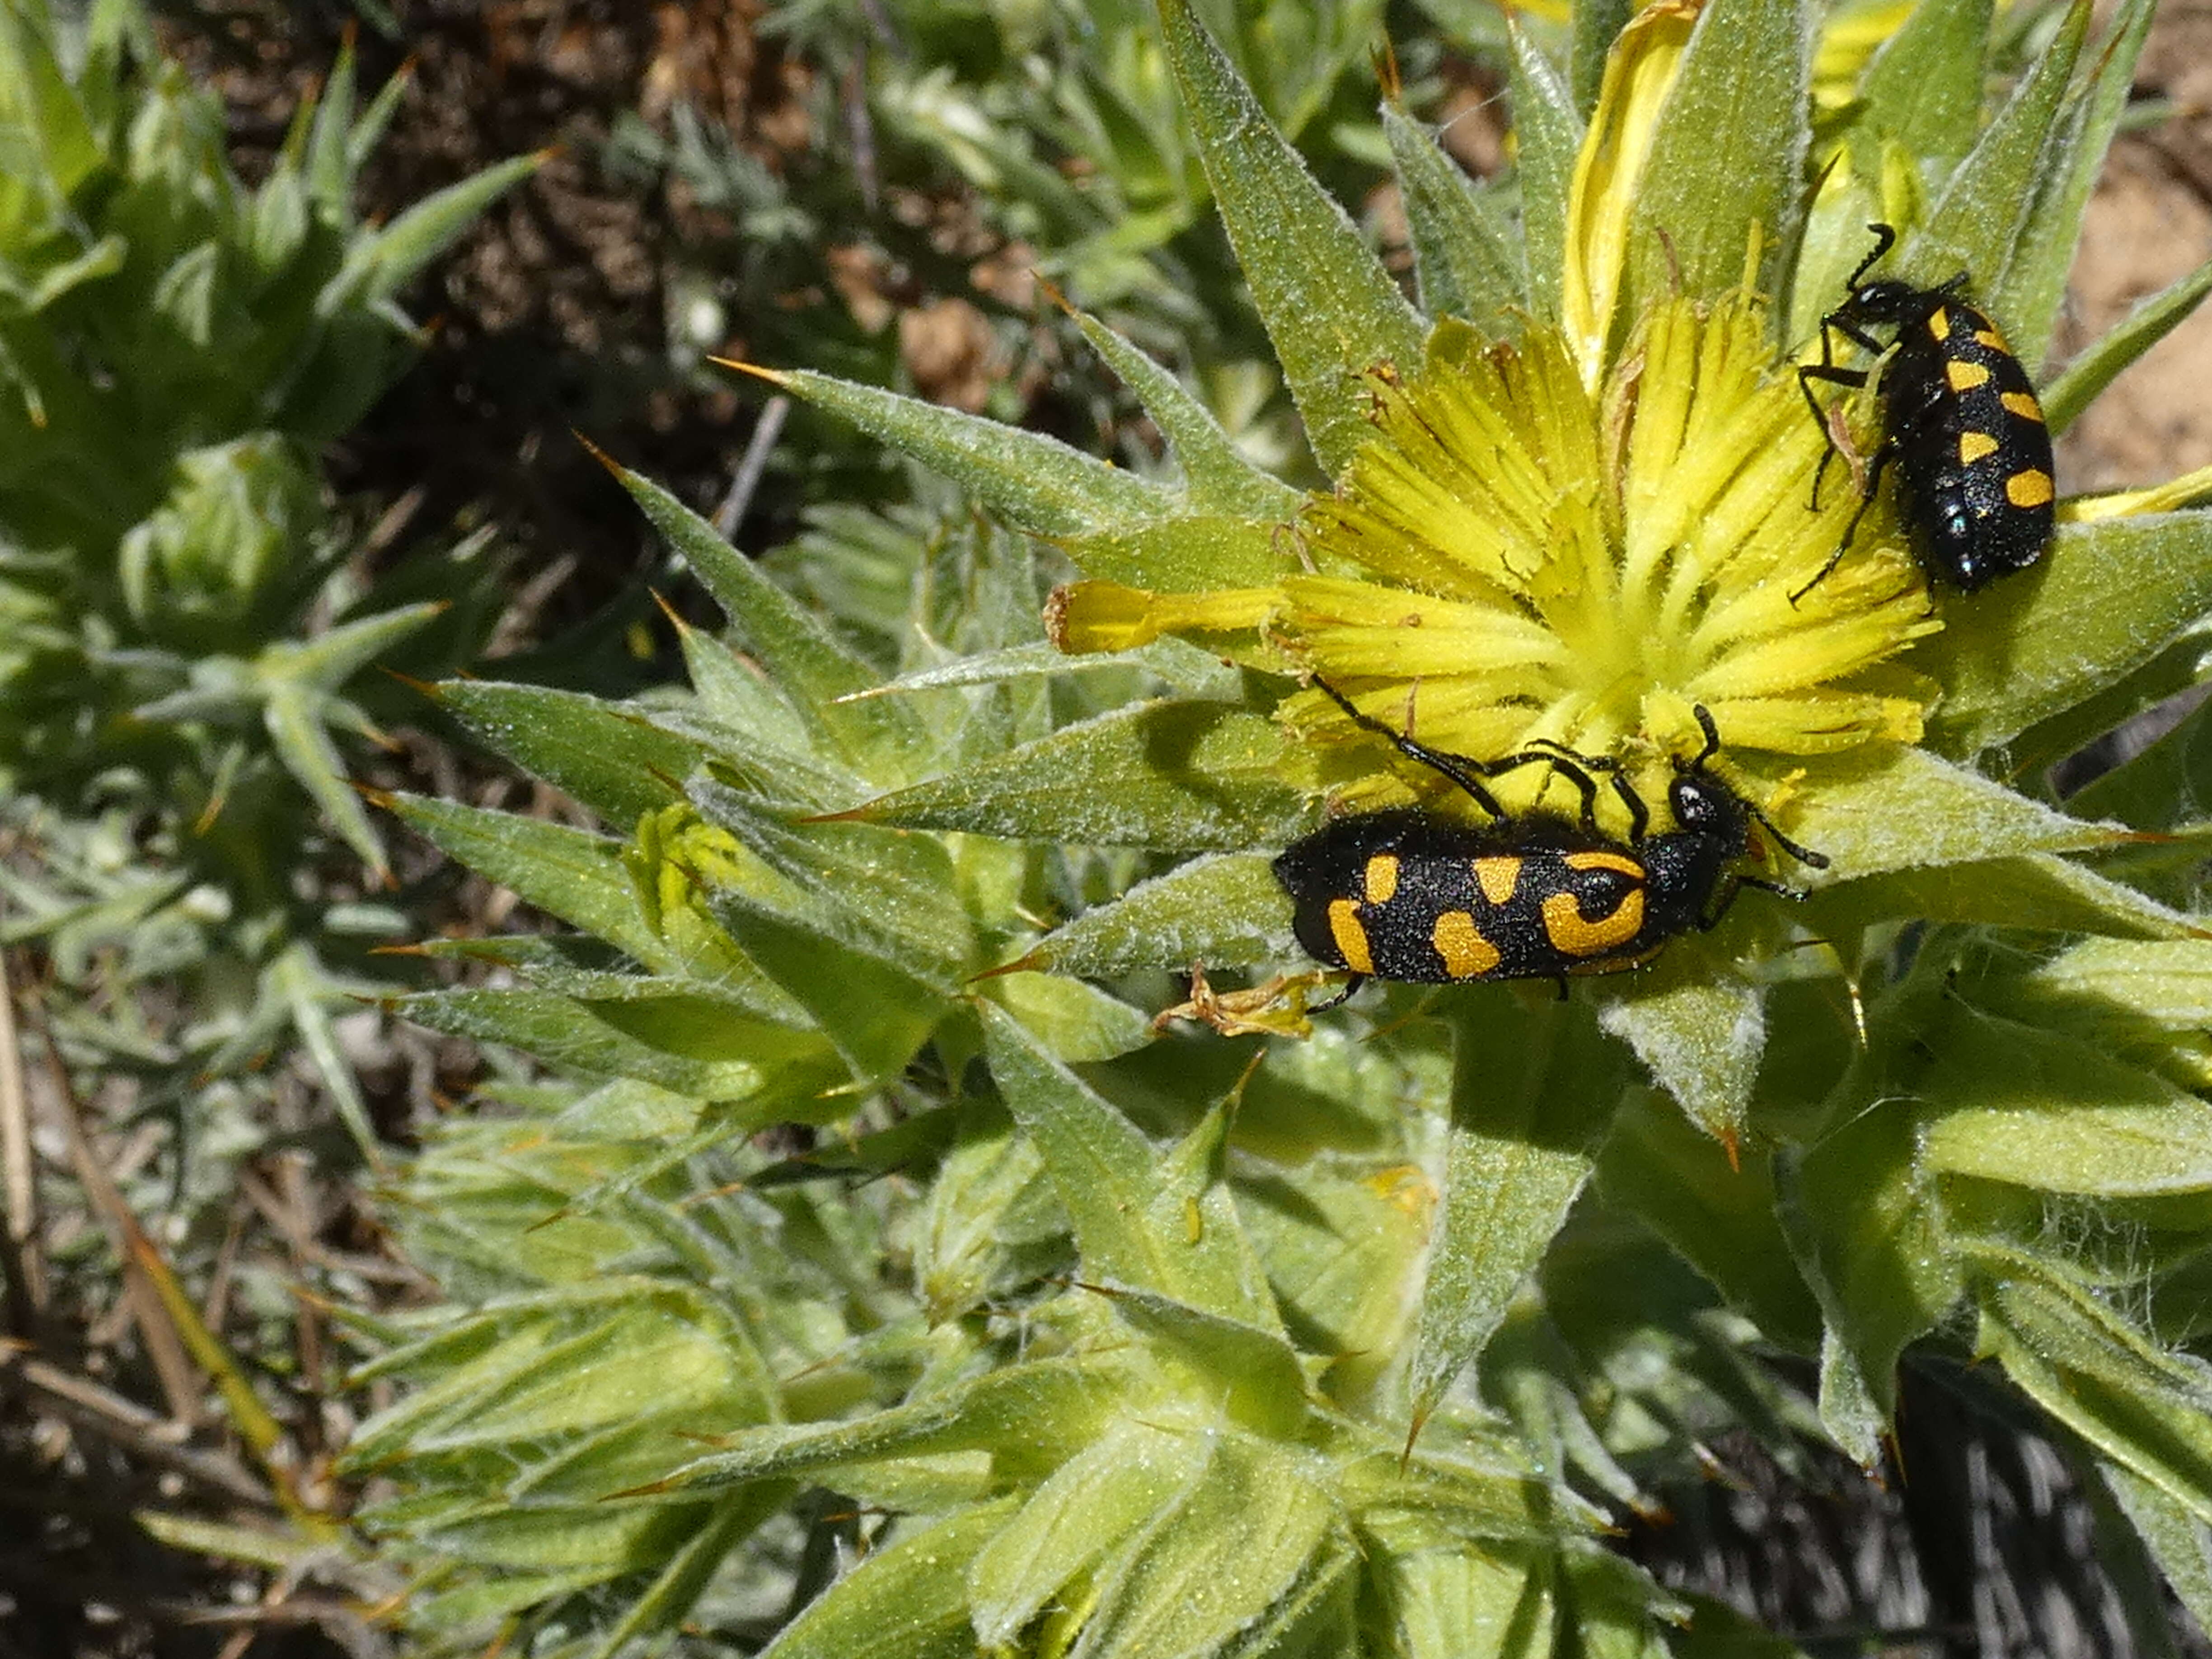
[(1105, 1336)]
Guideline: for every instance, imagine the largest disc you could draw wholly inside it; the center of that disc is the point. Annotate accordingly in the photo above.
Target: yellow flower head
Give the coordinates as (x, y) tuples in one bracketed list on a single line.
[(1513, 557)]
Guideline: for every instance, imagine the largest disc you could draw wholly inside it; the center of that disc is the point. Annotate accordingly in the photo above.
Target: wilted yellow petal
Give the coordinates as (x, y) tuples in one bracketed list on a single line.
[(1640, 73), (1847, 43), (2125, 503), (1086, 617)]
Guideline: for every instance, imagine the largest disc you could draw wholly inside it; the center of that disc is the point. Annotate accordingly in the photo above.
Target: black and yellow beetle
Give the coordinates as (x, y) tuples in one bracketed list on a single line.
[(1959, 418), (1410, 894)]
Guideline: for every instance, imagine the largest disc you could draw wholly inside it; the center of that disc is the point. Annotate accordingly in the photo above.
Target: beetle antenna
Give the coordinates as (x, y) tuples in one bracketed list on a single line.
[(1885, 238)]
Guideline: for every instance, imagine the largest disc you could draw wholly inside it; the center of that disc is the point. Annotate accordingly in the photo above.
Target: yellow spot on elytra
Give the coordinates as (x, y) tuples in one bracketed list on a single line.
[(1573, 936), (1351, 938), (1498, 878), (1939, 323), (2023, 405), (1964, 377), (1616, 861), (1972, 446), (1466, 954), (1382, 877), (2031, 488), (1994, 341)]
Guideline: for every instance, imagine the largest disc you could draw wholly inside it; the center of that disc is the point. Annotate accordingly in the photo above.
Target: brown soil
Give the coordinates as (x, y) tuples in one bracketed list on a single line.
[(2150, 223)]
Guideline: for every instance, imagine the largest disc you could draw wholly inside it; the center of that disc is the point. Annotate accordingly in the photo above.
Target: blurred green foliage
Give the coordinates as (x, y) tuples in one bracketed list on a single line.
[(187, 626)]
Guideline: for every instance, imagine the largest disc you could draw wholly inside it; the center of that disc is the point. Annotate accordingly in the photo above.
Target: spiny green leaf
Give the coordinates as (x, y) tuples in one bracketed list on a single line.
[(672, 1597), (1088, 1505), (382, 263), (719, 1055), (1531, 1088), (1550, 131), (1225, 911), (1078, 1023), (308, 994), (1861, 1218), (2036, 892), (2147, 1411), (1436, 1596), (2098, 365), (1924, 91), (1180, 1238), (1701, 1037), (1186, 667), (44, 110), (294, 717), (910, 1602), (1034, 482), (897, 894), (1249, 1534), (2164, 786), (336, 654), (2107, 598), (570, 873), (2035, 283), (2044, 1110), (2180, 1542), (1187, 554), (1339, 1256), (1249, 1371), (1217, 478), (991, 1221), (1891, 807), (609, 756), (1976, 224), (873, 1006), (1741, 92), (813, 667), (376, 120), (1033, 1416), (1180, 776), (1470, 264), (1331, 309), (2167, 983)]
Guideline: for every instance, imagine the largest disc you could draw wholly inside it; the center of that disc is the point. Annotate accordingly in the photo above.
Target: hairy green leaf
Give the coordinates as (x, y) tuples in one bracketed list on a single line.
[(1701, 1037), (1217, 478), (1469, 262), (1082, 1510), (1331, 311), (1179, 1237), (908, 1601), (1532, 1087), (2107, 598), (1549, 130), (608, 756), (1178, 776), (2034, 284), (2148, 1411), (1034, 482), (1741, 92), (2098, 365), (1976, 224), (1225, 910), (1187, 554)]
